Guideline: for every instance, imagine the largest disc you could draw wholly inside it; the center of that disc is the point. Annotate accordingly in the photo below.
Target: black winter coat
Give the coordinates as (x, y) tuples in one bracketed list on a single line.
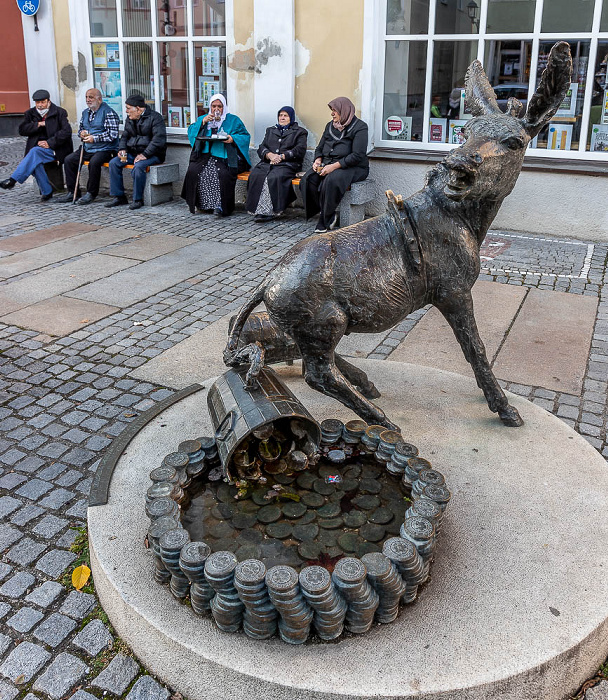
[(292, 144), (57, 131), (147, 135), (349, 147)]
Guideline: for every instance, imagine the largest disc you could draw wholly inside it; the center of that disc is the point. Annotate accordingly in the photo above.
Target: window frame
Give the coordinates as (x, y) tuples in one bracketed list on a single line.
[(482, 36), (190, 39)]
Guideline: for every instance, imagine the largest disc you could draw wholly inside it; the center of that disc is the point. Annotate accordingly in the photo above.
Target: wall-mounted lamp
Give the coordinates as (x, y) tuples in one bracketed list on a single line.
[(473, 9)]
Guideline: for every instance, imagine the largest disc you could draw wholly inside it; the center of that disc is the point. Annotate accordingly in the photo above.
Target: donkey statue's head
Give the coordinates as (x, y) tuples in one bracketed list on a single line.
[(488, 163)]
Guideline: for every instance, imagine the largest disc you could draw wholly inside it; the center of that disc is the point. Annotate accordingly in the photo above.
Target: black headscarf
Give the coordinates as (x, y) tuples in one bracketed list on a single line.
[(292, 118)]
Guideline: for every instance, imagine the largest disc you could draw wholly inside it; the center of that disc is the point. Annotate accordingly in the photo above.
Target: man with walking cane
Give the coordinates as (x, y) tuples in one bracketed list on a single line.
[(98, 132)]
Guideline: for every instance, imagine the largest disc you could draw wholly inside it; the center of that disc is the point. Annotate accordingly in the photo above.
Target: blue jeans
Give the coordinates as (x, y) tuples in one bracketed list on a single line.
[(33, 164), (117, 187)]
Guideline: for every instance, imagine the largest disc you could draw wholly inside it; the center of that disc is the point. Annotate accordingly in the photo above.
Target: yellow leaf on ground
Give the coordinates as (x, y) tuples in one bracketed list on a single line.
[(19, 680), (80, 576)]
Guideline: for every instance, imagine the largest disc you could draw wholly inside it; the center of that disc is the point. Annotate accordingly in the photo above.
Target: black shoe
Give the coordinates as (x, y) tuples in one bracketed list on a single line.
[(263, 218), (136, 204), (116, 202), (86, 198), (46, 197), (8, 184), (66, 198)]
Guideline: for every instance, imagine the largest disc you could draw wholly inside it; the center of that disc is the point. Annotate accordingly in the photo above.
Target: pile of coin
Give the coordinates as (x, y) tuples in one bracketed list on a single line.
[(296, 614), (409, 563), (322, 596), (350, 578), (171, 543), (226, 606), (158, 528), (388, 584), (192, 562), (331, 431), (260, 617)]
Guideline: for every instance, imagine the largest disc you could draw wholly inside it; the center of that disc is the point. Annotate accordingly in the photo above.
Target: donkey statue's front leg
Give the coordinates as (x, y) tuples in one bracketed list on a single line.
[(458, 312)]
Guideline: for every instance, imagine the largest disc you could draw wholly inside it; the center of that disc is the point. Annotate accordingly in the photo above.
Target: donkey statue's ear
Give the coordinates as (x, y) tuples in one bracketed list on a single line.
[(554, 84), (480, 96)]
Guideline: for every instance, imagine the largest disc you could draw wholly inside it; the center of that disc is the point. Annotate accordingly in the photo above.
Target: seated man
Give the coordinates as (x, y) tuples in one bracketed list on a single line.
[(98, 131), (49, 139), (143, 143)]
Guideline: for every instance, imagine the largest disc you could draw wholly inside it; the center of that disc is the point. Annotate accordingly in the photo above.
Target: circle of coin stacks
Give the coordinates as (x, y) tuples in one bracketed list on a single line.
[(427, 509), (386, 445), (409, 564), (179, 462), (353, 431), (163, 474), (156, 530), (171, 543), (388, 584), (162, 507), (260, 617), (439, 494), (425, 478), (331, 431), (413, 467), (322, 596), (398, 462), (421, 533), (350, 578), (226, 606), (296, 614), (371, 438), (192, 560)]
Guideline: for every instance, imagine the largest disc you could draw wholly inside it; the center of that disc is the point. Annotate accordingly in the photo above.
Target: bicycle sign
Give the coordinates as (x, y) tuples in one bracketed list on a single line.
[(29, 7)]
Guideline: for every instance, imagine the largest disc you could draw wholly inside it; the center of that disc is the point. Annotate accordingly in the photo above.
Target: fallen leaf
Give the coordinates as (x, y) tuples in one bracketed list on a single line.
[(80, 576), (19, 680), (85, 320), (129, 415)]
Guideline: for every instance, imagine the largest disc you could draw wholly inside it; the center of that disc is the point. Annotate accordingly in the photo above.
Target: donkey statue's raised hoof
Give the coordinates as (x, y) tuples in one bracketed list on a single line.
[(424, 250)]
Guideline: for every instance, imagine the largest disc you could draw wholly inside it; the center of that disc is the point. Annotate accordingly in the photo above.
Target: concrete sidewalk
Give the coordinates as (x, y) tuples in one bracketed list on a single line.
[(103, 313)]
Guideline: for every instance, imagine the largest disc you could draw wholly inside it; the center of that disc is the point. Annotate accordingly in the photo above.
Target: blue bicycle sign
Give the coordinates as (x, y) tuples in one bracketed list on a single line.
[(29, 7)]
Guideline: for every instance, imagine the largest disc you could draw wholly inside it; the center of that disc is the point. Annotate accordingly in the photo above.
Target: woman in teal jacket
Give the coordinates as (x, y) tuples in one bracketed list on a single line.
[(220, 150)]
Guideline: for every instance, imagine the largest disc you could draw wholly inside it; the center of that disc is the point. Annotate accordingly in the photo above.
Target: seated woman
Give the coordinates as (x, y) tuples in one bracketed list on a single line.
[(340, 159), (211, 176), (281, 154)]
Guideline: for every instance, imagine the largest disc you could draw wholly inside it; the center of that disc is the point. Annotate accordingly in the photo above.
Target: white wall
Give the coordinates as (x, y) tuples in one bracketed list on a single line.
[(40, 53)]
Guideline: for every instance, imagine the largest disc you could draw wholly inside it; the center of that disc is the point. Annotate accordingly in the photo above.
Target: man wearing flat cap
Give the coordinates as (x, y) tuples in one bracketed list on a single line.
[(98, 131), (143, 143), (49, 139)]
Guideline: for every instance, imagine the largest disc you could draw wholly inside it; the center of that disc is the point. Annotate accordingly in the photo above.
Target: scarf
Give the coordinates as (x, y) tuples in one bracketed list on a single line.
[(292, 119), (217, 123), (42, 112), (346, 109)]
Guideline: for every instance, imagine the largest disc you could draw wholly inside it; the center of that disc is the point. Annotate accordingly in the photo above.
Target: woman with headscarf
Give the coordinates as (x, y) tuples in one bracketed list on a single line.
[(340, 159), (281, 154), (220, 151)]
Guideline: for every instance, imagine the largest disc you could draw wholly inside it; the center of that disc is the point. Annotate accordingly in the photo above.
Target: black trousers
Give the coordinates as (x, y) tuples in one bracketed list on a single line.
[(96, 160), (324, 194)]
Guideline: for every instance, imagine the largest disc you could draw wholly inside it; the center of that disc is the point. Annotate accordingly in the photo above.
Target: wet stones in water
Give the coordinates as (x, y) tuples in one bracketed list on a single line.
[(226, 493), (309, 551), (366, 502), (306, 480), (309, 517), (329, 510), (349, 485), (268, 514), (244, 520), (226, 544), (249, 506), (221, 530), (354, 519), (368, 485), (372, 533), (248, 551), (306, 533), (381, 516), (328, 538), (352, 471), (222, 511), (324, 489), (259, 497), (293, 510), (312, 499), (249, 536), (349, 541), (370, 471), (331, 523), (284, 479), (280, 530)]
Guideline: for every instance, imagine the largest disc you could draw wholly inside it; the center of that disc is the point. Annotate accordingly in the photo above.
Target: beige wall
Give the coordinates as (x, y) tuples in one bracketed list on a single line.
[(66, 71), (329, 50)]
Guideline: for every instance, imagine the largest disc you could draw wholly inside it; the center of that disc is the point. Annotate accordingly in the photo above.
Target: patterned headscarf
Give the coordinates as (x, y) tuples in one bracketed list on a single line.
[(346, 109), (216, 124)]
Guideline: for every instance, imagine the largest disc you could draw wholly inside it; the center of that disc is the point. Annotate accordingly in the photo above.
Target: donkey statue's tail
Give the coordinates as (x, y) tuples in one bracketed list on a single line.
[(236, 327)]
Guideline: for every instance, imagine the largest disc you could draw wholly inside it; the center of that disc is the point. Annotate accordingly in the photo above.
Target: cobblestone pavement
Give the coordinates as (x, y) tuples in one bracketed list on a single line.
[(63, 399)]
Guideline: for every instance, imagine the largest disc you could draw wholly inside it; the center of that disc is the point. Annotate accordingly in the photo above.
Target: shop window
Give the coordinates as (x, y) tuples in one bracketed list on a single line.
[(171, 18), (102, 18), (457, 16), (209, 17), (136, 18), (407, 17), (597, 133), (404, 77), (564, 130), (174, 93), (139, 70), (567, 15), (604, 18), (510, 16), (107, 73), (210, 70), (507, 65)]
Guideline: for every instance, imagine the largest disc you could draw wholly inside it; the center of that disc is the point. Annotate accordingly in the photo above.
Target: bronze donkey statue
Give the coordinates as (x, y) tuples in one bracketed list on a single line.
[(425, 250)]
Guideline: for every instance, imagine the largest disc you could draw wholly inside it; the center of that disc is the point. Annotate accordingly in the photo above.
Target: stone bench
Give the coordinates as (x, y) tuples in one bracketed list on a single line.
[(159, 182)]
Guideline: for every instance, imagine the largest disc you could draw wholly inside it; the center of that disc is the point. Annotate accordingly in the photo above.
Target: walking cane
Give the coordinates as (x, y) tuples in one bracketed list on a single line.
[(78, 173)]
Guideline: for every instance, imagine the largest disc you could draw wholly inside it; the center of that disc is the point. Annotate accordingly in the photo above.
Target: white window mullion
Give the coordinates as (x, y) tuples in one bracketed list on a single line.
[(191, 82), (597, 15), (379, 130), (428, 78), (122, 56), (481, 44)]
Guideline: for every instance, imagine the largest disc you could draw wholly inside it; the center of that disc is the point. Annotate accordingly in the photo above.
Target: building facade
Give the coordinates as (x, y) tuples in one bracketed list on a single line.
[(402, 62)]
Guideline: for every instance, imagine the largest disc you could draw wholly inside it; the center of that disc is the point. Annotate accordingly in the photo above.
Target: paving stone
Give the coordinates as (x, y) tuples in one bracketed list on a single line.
[(45, 594), (54, 629), (94, 637), (5, 643), (8, 536), (25, 659), (17, 585), (598, 692), (117, 675), (56, 499), (25, 551), (24, 619), (34, 489), (67, 540), (26, 514), (30, 464), (146, 688), (8, 505), (11, 481), (5, 570), (5, 608), (62, 675), (55, 562), (49, 525), (78, 605), (8, 691), (82, 695)]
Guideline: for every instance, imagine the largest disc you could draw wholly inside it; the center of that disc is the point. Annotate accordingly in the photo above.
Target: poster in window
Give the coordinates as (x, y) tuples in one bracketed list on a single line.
[(210, 60), (438, 130), (568, 106), (559, 137), (399, 128), (605, 108), (464, 107), (206, 89), (187, 116), (456, 131), (599, 138), (175, 117), (108, 83), (100, 58)]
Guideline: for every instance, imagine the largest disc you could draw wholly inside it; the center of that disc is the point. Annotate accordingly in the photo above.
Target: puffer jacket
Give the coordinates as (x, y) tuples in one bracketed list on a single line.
[(146, 135)]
